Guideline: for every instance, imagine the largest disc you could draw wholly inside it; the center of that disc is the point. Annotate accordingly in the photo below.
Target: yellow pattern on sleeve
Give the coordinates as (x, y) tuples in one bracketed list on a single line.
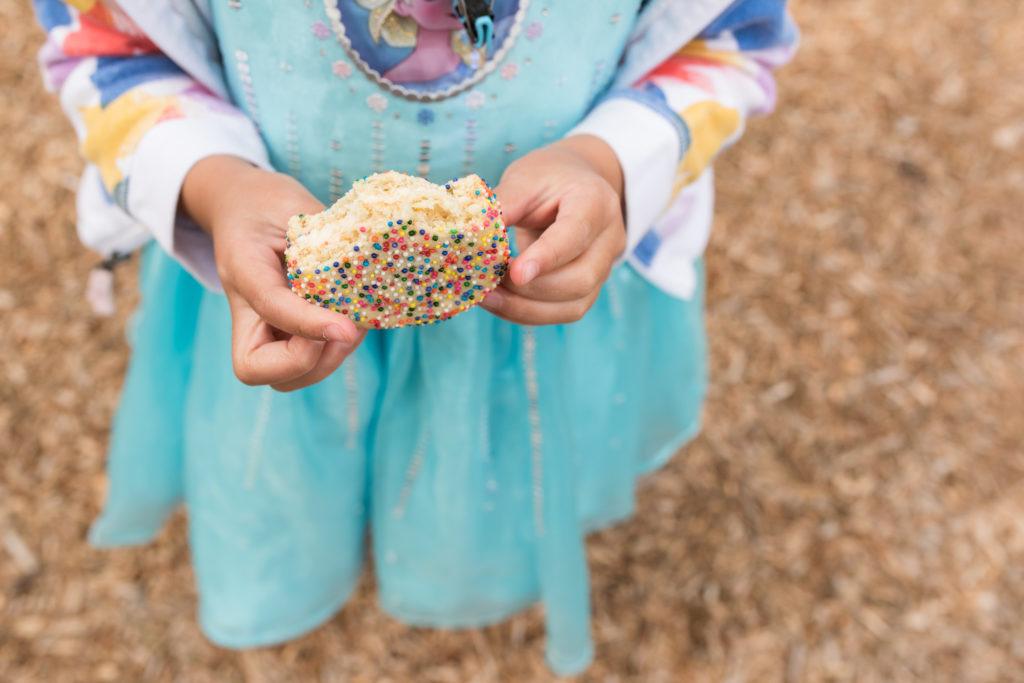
[(113, 132), (711, 126)]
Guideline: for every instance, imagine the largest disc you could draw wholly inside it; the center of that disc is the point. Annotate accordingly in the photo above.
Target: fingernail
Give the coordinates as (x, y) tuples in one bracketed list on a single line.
[(529, 271), (494, 300), (337, 333)]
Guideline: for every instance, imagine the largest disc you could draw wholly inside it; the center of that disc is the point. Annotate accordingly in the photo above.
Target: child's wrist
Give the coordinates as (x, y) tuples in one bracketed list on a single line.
[(208, 183)]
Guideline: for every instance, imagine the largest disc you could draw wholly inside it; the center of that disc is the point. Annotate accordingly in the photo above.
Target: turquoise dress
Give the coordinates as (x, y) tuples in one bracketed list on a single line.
[(476, 453)]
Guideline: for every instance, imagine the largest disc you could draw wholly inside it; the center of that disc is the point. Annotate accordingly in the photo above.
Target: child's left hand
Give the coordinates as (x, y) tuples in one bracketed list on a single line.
[(565, 201)]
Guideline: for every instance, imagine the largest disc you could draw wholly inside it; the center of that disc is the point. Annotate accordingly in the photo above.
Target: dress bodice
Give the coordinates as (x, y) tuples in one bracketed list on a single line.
[(344, 88)]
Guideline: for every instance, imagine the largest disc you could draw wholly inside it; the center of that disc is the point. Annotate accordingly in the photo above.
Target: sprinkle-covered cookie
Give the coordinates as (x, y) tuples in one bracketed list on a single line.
[(398, 250)]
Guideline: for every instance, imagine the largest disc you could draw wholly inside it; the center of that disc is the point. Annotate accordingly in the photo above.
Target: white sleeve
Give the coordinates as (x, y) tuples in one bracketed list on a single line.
[(649, 148), (164, 157)]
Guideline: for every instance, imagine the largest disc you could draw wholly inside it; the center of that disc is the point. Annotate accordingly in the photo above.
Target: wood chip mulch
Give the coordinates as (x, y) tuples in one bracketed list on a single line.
[(854, 510)]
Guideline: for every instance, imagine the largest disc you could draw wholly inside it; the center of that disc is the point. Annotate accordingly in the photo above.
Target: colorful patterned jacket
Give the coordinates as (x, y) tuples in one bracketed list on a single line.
[(142, 83)]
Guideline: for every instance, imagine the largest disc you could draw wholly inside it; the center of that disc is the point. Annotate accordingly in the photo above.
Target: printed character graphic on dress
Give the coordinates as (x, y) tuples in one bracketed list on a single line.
[(433, 29), (427, 49)]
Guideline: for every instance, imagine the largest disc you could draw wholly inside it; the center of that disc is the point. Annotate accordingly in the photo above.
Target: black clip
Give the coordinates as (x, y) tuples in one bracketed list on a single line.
[(477, 17)]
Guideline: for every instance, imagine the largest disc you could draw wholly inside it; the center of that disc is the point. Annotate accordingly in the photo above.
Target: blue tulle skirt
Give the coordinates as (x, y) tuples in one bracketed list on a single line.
[(477, 453)]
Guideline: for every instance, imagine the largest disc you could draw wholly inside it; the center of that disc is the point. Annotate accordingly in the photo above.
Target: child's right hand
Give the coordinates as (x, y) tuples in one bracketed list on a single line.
[(276, 337)]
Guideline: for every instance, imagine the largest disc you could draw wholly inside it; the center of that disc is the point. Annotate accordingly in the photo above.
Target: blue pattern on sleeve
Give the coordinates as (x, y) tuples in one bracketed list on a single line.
[(651, 96), (116, 75), (647, 247), (756, 24), (51, 13)]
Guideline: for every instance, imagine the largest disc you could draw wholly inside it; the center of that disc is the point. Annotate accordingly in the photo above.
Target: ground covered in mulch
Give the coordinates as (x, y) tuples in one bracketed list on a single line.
[(854, 509)]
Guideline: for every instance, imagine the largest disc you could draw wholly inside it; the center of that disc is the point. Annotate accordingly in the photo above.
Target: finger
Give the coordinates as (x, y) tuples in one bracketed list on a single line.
[(259, 358), (576, 280), (263, 286), (515, 308), (332, 356), (524, 238), (574, 228), (518, 194)]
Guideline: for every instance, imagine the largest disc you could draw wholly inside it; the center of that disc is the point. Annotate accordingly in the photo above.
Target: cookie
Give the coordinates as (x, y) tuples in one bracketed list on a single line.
[(398, 250)]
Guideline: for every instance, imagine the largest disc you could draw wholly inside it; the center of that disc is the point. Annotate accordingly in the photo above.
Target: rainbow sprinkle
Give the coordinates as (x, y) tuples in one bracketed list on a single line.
[(399, 274)]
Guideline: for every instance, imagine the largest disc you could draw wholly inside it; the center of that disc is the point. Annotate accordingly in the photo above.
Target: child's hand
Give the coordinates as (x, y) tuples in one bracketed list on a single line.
[(565, 203), (276, 337)]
